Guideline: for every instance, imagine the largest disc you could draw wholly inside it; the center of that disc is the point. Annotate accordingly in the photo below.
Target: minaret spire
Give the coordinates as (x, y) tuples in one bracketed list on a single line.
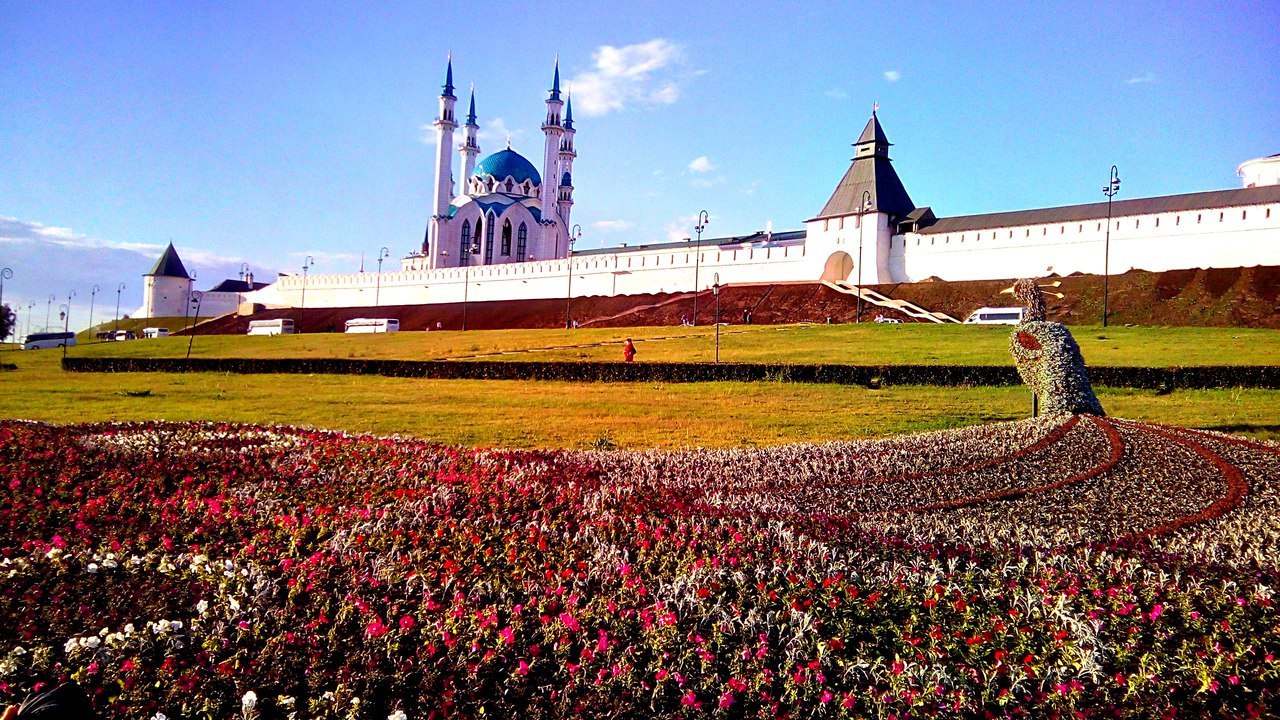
[(568, 112), (448, 79), (470, 147), (445, 125), (555, 83)]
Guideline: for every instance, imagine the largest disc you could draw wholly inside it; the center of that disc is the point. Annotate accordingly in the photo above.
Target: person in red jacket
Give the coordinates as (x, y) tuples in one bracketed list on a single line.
[(629, 351)]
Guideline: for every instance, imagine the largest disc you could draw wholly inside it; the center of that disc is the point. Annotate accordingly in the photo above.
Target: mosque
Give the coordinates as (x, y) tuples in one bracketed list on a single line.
[(506, 235)]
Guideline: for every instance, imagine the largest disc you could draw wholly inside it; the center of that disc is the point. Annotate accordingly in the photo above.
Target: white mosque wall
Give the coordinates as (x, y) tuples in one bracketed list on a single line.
[(1241, 236)]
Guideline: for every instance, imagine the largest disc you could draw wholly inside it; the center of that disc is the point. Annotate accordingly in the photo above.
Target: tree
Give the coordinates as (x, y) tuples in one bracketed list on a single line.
[(8, 321)]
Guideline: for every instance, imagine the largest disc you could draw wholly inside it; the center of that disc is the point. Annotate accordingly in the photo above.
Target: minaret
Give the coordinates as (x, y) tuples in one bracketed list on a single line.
[(551, 155), (445, 125), (469, 148), (567, 154)]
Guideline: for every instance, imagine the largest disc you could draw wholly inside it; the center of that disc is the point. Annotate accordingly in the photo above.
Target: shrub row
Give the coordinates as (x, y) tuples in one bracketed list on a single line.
[(868, 375)]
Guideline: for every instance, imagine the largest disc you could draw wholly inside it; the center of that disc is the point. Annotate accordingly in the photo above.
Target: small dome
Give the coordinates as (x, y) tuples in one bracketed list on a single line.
[(507, 163)]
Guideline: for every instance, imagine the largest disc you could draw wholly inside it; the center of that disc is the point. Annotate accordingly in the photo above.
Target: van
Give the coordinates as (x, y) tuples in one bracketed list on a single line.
[(155, 332), (279, 326), (122, 335), (996, 316), (40, 340), (373, 325)]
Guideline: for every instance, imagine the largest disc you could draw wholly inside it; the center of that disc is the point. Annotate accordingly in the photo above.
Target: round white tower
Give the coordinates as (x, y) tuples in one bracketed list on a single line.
[(166, 290), (469, 148)]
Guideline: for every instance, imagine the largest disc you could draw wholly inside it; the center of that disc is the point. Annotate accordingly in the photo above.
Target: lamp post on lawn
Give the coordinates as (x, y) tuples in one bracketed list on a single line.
[(92, 295), (1110, 190), (66, 325), (703, 220), (48, 311), (383, 254), (196, 297), (118, 291), (862, 222), (6, 274), (715, 291), (306, 265), (574, 237), (30, 306)]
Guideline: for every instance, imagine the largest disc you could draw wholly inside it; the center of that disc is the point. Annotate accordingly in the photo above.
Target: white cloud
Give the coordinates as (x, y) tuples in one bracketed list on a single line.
[(612, 225), (1145, 78), (837, 94), (682, 227), (701, 164), (642, 74), (13, 230), (892, 75)]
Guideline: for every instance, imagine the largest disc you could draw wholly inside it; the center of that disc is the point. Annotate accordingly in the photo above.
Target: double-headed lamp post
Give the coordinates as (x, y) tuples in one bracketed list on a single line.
[(574, 236), (196, 297), (306, 265), (1110, 190), (862, 222), (48, 311), (6, 274), (66, 321), (715, 291), (704, 219), (92, 296), (118, 291), (383, 254)]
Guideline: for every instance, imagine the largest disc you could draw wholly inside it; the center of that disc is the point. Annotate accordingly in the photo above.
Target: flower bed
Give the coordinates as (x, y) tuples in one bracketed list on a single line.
[(1059, 566)]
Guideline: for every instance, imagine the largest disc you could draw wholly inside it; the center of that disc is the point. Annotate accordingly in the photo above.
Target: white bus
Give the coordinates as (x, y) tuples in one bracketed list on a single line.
[(996, 316), (279, 326), (373, 325), (37, 341), (155, 332)]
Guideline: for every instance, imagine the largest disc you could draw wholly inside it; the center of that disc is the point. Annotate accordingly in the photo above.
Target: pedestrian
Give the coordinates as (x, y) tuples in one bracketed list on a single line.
[(439, 325), (629, 351)]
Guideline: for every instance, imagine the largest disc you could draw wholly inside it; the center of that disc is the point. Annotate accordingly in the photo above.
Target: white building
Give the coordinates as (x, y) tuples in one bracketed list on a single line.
[(168, 291), (505, 211), (869, 232)]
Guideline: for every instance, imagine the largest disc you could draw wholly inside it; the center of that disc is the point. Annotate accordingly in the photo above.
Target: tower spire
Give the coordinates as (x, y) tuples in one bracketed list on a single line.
[(555, 83), (471, 111), (448, 79), (568, 112)]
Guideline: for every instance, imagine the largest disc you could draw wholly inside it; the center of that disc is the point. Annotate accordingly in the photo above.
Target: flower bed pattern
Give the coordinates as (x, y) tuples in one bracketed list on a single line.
[(1081, 567)]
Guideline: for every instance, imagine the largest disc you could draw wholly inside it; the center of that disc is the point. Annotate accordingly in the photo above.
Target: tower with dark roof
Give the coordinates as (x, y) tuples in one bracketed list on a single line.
[(469, 148), (566, 156), (554, 132), (445, 124), (166, 289)]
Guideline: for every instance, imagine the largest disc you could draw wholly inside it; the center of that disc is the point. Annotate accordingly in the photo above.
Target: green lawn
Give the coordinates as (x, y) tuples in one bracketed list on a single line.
[(554, 414), (867, 343)]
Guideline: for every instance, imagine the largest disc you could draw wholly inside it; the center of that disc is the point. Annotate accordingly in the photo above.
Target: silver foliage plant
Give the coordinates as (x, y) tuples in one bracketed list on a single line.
[(1049, 360)]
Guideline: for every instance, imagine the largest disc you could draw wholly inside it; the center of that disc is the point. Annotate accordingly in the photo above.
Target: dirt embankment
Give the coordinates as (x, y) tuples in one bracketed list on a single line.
[(1233, 297)]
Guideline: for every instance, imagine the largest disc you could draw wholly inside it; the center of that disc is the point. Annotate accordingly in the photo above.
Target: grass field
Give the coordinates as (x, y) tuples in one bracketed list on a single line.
[(867, 343), (552, 414)]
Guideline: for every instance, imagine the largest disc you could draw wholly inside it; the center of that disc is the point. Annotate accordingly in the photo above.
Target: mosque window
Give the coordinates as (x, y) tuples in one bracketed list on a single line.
[(1199, 217), (841, 223), (1177, 220), (1244, 214), (1028, 232), (506, 238), (465, 245), (1221, 215), (1137, 224), (1157, 222), (488, 245), (1044, 231), (509, 185), (522, 241), (1268, 213), (1080, 228), (1062, 229)]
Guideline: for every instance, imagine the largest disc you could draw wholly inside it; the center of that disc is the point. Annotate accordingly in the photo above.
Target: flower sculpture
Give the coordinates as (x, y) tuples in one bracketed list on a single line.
[(1048, 358)]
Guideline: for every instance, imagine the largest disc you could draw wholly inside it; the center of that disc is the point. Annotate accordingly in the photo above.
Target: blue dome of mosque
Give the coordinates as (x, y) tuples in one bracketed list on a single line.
[(507, 163)]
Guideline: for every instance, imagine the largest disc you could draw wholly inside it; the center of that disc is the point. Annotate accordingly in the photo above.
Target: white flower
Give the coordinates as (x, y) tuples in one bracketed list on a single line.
[(135, 560), (128, 629), (93, 568), (328, 696), (202, 607), (175, 624), (90, 642), (249, 700), (355, 702), (72, 644), (159, 716), (110, 563), (285, 700), (398, 715), (19, 651)]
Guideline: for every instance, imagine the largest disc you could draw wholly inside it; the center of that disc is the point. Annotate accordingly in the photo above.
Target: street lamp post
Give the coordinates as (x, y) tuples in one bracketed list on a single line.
[(383, 254), (66, 321), (703, 220), (1110, 190), (306, 265), (196, 297), (48, 311), (574, 237), (118, 291), (862, 222), (92, 296), (6, 274), (715, 291), (30, 306)]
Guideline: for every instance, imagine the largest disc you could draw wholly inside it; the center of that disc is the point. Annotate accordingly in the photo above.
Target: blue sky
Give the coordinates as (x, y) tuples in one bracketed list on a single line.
[(263, 132)]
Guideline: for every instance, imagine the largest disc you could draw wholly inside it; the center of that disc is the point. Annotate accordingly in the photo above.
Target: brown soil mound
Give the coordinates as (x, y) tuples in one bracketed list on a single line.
[(1232, 297)]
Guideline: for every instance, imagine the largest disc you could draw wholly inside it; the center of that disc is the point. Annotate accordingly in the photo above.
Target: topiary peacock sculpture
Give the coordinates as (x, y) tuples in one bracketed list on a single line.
[(1048, 358)]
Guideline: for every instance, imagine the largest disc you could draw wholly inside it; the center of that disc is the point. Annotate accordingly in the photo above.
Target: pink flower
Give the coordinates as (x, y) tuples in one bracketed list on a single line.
[(407, 623), (660, 675), (726, 699), (376, 629), (603, 643), (1157, 611), (508, 635), (522, 668), (691, 700), (827, 696), (569, 622)]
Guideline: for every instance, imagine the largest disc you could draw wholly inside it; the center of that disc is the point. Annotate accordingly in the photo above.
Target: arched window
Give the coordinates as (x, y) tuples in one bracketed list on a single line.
[(522, 242), (506, 238), (488, 236), (464, 248)]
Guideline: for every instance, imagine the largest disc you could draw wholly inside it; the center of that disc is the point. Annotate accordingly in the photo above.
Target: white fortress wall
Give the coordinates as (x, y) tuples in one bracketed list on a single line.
[(625, 273), (1241, 236)]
